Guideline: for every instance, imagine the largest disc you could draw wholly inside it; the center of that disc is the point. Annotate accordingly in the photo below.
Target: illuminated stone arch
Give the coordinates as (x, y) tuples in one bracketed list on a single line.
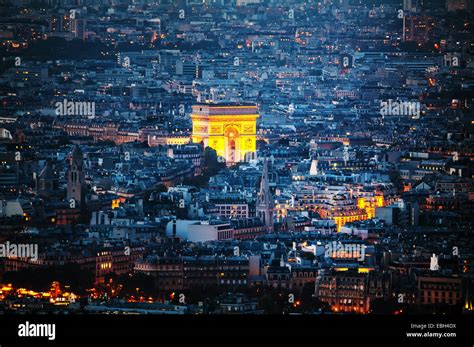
[(232, 143)]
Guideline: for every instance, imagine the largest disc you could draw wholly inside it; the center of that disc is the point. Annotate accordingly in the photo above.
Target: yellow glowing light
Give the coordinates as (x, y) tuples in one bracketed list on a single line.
[(230, 131), (115, 203)]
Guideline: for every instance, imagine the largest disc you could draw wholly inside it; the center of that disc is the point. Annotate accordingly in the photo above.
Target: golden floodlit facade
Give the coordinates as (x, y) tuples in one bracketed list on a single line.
[(230, 129)]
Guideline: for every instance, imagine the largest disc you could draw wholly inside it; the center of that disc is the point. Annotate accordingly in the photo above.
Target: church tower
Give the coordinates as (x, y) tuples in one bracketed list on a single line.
[(75, 178), (265, 202)]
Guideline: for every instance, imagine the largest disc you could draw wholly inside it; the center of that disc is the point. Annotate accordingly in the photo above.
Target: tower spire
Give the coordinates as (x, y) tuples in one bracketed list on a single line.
[(75, 178), (265, 202)]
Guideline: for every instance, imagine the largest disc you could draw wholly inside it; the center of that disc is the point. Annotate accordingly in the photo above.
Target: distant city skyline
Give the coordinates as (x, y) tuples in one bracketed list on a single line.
[(237, 157)]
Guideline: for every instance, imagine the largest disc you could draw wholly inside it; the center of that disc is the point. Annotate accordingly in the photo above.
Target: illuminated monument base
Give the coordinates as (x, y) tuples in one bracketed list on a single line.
[(230, 129)]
